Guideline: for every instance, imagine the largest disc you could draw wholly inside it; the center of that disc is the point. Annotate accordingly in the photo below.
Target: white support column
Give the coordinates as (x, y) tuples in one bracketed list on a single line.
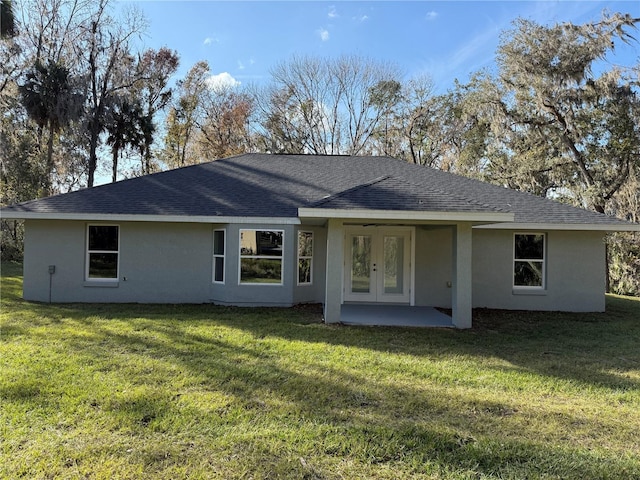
[(335, 264), (462, 277)]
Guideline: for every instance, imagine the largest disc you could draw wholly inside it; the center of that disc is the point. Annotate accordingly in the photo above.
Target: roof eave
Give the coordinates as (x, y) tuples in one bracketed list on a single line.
[(405, 215), (600, 227), (118, 217)]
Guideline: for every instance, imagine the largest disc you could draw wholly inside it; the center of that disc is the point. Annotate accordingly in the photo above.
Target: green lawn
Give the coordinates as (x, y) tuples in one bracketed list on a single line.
[(139, 391)]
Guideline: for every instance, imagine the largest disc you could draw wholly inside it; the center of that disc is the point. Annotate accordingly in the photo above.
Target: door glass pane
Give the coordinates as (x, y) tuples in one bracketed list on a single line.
[(393, 264), (361, 263)]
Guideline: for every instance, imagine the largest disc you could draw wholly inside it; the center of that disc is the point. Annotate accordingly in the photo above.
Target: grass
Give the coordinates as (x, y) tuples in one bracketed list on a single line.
[(199, 392)]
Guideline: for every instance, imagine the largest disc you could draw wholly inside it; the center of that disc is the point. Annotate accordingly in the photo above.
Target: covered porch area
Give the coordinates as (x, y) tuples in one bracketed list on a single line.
[(345, 304), (378, 297), (393, 316)]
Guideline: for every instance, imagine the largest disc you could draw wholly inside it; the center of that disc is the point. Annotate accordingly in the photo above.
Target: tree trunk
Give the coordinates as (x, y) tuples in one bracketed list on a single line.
[(147, 159), (93, 158), (114, 173), (49, 161), (607, 262)]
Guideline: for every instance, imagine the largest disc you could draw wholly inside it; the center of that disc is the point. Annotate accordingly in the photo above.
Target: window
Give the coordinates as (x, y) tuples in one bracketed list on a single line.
[(305, 257), (218, 255), (529, 260), (261, 256), (102, 252)]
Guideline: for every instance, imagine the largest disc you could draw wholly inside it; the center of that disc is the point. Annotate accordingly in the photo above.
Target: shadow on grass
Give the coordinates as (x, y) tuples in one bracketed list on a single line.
[(573, 346), (579, 347), (357, 424), (425, 430)]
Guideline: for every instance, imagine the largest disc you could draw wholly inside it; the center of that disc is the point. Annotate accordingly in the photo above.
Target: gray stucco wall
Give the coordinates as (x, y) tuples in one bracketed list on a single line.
[(172, 263), (161, 263), (575, 272), (434, 263)]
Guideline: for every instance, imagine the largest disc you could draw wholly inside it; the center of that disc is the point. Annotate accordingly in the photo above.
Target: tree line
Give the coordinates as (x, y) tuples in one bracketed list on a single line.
[(79, 94)]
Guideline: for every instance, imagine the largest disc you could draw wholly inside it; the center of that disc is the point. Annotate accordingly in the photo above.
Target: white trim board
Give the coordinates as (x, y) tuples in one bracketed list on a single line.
[(496, 221), (590, 227), (405, 215), (115, 217)]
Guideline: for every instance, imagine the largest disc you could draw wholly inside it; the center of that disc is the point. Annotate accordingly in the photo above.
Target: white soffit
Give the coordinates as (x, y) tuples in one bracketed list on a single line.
[(405, 215), (102, 217), (600, 227)]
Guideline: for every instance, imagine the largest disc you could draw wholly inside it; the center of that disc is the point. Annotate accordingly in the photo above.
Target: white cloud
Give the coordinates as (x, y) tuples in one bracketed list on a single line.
[(221, 81), (242, 64), (208, 41), (363, 18), (333, 13), (431, 15), (324, 34)]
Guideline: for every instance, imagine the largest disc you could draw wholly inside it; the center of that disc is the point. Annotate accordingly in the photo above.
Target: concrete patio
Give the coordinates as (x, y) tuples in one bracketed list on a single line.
[(393, 315)]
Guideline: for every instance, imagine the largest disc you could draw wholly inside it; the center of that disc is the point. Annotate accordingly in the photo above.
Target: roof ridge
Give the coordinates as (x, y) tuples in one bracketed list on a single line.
[(462, 197), (440, 191), (383, 178), (333, 196)]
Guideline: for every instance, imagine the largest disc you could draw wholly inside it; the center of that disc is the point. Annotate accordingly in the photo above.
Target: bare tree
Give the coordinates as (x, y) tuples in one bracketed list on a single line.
[(154, 94), (325, 106), (106, 53), (184, 116), (223, 126)]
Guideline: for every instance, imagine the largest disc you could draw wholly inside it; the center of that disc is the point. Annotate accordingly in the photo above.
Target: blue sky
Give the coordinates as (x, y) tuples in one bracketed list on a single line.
[(243, 40)]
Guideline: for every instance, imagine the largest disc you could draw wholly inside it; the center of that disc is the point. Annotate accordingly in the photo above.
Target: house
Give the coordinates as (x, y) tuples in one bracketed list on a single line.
[(260, 229)]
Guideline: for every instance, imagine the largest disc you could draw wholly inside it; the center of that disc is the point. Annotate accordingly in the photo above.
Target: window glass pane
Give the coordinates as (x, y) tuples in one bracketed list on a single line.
[(248, 242), (260, 270), (103, 237), (218, 242), (103, 265), (218, 269), (305, 244), (261, 242), (530, 247), (527, 274), (304, 270)]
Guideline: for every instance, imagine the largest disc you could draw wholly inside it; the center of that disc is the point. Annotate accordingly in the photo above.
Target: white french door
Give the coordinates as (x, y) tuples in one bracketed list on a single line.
[(378, 264)]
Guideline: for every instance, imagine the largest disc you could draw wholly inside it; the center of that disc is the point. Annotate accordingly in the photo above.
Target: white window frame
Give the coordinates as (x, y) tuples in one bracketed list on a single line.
[(304, 257), (89, 252), (257, 257), (543, 261), (222, 255)]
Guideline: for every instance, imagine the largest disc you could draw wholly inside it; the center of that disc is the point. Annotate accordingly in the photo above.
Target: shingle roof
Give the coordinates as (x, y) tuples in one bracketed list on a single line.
[(390, 193), (264, 185)]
